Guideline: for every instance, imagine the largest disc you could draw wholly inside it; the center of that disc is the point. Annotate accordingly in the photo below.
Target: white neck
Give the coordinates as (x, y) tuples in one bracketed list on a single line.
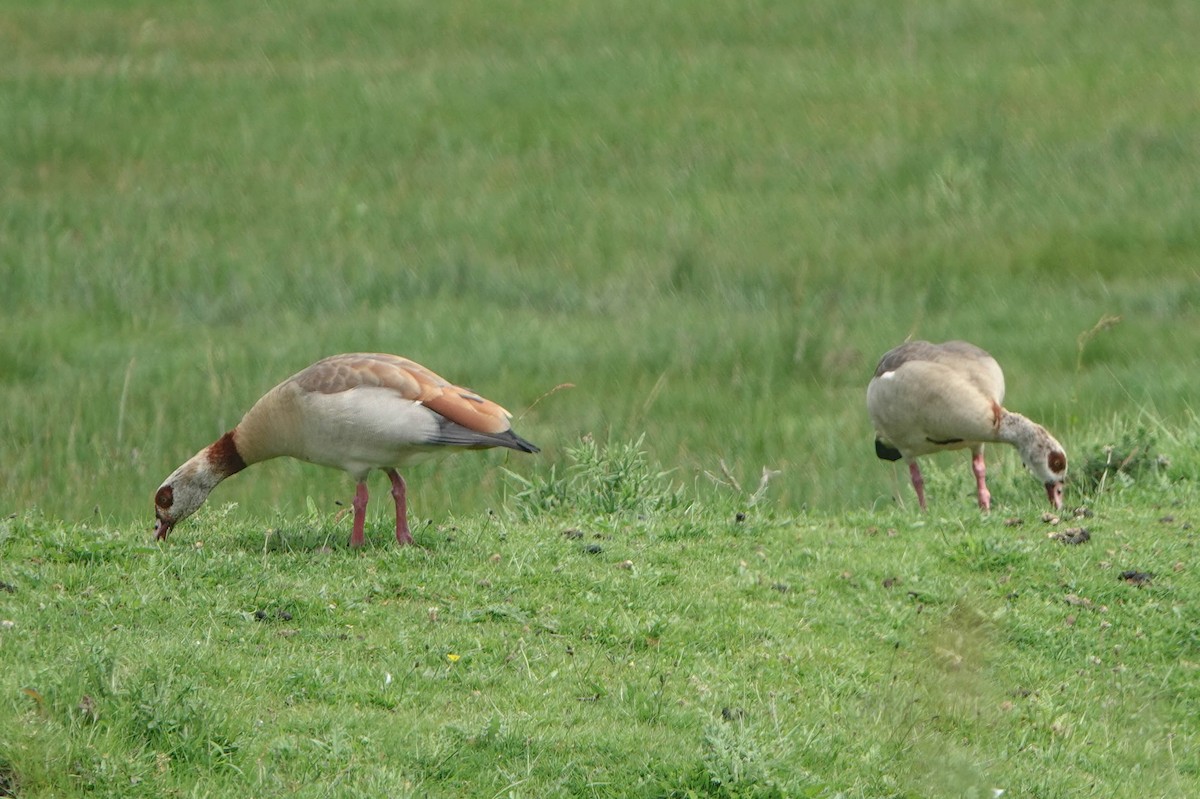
[(1019, 431), (1040, 452)]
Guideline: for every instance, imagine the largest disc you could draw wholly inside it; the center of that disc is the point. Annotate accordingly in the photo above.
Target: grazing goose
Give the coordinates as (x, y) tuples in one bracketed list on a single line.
[(930, 397), (353, 412)]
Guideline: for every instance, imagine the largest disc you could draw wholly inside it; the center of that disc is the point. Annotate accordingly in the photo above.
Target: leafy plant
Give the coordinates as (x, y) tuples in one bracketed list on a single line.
[(1132, 458), (602, 479), (731, 767), (734, 762)]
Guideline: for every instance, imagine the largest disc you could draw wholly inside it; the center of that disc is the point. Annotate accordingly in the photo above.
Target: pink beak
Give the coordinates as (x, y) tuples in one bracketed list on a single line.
[(1054, 492), (161, 528)]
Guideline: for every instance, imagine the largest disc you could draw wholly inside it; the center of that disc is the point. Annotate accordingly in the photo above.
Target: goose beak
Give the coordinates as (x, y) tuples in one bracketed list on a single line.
[(162, 527), (1054, 493)]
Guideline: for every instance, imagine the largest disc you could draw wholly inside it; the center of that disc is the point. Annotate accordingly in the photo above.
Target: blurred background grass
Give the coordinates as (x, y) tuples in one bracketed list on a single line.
[(712, 218)]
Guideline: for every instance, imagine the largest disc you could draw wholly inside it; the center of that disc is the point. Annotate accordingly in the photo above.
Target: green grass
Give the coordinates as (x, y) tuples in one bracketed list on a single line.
[(711, 218), (649, 644)]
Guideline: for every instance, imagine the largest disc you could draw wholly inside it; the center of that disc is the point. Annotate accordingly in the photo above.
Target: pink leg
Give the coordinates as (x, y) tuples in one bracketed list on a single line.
[(398, 493), (918, 482), (985, 496), (360, 514)]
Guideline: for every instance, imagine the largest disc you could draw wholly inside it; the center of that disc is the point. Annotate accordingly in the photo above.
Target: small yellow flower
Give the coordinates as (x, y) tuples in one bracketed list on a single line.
[(453, 658)]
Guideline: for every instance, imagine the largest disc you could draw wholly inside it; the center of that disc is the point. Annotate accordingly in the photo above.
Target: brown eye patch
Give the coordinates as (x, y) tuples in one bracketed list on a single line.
[(1057, 462), (165, 497)]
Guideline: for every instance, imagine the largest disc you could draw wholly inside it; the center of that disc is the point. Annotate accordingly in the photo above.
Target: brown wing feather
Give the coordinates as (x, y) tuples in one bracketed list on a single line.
[(410, 380), (460, 405)]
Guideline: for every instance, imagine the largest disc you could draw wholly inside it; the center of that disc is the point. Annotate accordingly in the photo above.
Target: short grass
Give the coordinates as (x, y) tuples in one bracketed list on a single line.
[(711, 218), (637, 643)]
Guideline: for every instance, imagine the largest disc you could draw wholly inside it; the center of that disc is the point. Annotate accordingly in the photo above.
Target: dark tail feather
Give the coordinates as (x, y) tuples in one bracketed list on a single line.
[(514, 441), (886, 452), (455, 435)]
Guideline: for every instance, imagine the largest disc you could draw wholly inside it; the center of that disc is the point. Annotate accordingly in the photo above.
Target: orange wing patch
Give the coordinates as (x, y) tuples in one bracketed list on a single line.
[(460, 405), (469, 410)]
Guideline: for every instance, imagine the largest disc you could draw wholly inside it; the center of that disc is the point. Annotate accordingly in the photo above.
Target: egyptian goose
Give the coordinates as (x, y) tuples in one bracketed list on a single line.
[(931, 397), (354, 412)]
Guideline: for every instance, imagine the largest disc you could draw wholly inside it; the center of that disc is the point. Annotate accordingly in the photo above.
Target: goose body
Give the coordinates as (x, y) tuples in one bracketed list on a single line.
[(354, 412), (926, 398)]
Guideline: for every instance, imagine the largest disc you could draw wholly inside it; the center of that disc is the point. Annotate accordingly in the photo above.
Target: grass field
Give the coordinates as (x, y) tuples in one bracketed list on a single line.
[(655, 646), (711, 219)]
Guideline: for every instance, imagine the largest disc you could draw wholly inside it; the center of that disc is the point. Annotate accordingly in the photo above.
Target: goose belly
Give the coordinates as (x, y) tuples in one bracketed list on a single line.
[(364, 428)]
